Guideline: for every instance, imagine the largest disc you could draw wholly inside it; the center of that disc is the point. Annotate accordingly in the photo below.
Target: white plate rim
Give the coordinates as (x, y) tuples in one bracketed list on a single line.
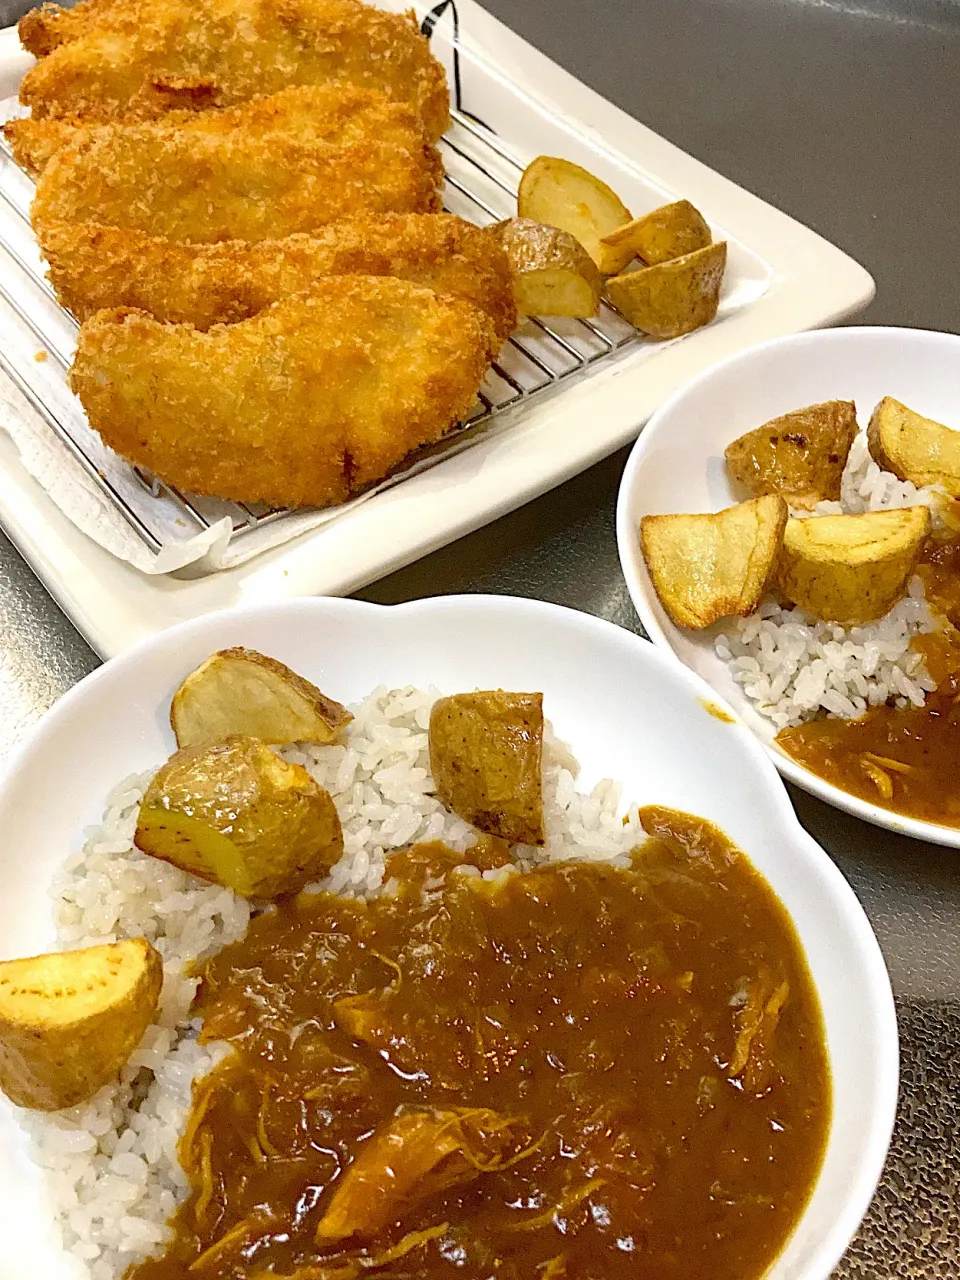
[(814, 284), (643, 598)]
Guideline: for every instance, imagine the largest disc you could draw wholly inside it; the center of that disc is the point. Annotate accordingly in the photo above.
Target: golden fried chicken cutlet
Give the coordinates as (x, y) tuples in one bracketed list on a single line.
[(42, 29), (92, 267), (302, 405), (338, 114), (128, 59), (197, 186)]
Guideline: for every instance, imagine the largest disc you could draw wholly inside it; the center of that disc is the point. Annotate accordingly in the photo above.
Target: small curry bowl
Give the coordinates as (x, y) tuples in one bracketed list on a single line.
[(677, 465), (628, 711)]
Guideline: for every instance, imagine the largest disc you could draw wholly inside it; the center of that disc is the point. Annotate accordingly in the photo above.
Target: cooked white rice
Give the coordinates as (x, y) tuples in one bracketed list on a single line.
[(864, 486), (112, 1169), (793, 668)]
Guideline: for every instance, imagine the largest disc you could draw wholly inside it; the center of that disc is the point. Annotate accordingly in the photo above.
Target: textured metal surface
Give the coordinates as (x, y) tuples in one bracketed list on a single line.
[(41, 655), (913, 1224), (12, 10), (843, 113)]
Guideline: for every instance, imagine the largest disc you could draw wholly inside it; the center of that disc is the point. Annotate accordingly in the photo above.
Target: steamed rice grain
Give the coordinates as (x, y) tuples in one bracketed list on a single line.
[(112, 1173), (794, 668)]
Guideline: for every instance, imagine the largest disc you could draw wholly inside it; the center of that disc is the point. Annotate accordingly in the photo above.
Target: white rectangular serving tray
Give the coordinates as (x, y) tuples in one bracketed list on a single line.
[(781, 278)]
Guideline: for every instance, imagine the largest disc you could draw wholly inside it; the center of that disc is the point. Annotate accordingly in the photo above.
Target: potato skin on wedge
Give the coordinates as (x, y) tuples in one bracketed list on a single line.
[(553, 275), (800, 455), (235, 813), (913, 447), (70, 1020), (564, 195), (486, 754), (707, 567), (668, 232), (241, 691), (851, 569), (672, 298)]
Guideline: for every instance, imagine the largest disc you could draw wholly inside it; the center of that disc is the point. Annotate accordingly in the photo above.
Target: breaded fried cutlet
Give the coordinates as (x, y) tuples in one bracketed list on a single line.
[(92, 267), (197, 186), (42, 29), (311, 400), (127, 59), (338, 114)]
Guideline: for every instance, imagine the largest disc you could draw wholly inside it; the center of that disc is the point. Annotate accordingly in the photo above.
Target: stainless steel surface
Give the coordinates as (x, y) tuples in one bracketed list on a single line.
[(481, 185), (844, 113), (12, 10)]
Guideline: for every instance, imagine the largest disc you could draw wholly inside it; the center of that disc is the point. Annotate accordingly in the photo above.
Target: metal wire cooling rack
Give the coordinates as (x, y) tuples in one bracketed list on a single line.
[(39, 338)]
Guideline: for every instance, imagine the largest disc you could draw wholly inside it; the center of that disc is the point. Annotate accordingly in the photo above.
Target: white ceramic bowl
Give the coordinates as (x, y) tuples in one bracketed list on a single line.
[(630, 713), (677, 465)]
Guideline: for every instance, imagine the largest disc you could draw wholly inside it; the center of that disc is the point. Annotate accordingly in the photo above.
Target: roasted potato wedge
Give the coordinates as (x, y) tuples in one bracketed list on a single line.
[(234, 813), (242, 691), (706, 567), (486, 752), (674, 297), (851, 569), (800, 455), (946, 516), (553, 275), (913, 447), (668, 232), (71, 1019), (563, 195)]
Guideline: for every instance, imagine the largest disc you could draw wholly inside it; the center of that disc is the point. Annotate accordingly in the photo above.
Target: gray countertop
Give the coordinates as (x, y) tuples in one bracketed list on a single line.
[(846, 114)]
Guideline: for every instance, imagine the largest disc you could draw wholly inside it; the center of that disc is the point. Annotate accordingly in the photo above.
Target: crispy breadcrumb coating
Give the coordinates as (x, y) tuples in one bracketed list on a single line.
[(199, 186), (311, 400), (42, 29), (92, 267), (113, 59), (338, 114)]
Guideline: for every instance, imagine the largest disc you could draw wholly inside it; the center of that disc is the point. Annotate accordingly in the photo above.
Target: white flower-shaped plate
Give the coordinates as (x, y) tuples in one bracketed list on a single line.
[(629, 712)]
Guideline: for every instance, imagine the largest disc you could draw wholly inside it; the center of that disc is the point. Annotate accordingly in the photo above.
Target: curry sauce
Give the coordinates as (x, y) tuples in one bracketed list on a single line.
[(580, 1070), (902, 758)]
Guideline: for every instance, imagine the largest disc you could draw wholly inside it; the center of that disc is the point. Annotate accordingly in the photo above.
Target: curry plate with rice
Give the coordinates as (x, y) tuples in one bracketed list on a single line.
[(839, 575), (428, 1047)]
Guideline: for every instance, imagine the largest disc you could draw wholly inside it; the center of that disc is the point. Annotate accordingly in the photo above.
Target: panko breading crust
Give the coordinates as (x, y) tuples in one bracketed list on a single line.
[(337, 114), (93, 267), (112, 59), (307, 402), (42, 29), (199, 186)]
